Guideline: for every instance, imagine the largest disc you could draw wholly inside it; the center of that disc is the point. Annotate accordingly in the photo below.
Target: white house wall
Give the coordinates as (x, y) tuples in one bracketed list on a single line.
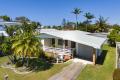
[(47, 42), (42, 42), (69, 44)]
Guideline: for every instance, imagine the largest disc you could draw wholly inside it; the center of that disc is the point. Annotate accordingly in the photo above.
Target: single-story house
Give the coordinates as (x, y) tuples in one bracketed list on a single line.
[(79, 43), (5, 23)]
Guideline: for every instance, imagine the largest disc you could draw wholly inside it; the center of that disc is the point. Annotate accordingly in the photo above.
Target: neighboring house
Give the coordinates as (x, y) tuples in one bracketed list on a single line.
[(2, 27), (85, 46), (10, 23), (3, 33)]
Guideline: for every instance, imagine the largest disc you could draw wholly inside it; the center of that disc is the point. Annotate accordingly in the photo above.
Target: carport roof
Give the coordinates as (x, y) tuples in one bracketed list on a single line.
[(76, 36)]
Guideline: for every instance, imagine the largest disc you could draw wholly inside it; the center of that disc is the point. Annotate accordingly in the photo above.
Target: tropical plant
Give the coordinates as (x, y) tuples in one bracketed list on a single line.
[(114, 37), (26, 45), (11, 29), (5, 48), (70, 26), (76, 11), (29, 27), (88, 17), (116, 27), (22, 19), (64, 23), (5, 18), (47, 27), (101, 24), (4, 45)]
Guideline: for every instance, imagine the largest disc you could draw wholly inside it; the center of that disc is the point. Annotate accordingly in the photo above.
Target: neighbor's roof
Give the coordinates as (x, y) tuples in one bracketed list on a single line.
[(9, 23), (3, 33), (75, 35)]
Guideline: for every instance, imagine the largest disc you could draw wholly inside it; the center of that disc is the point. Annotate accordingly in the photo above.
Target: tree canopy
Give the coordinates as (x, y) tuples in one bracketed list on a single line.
[(22, 19), (5, 18), (114, 35)]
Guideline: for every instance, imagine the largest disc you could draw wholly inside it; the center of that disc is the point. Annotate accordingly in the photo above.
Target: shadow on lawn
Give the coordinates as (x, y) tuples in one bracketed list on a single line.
[(39, 65), (101, 58)]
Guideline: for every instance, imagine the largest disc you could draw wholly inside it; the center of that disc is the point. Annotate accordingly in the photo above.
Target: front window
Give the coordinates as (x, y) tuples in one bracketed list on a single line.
[(73, 44), (60, 42), (53, 41), (66, 42)]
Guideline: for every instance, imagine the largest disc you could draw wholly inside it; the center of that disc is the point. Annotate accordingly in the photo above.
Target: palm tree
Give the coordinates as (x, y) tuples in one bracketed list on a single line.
[(11, 29), (26, 45), (101, 24), (76, 11), (88, 17), (5, 48)]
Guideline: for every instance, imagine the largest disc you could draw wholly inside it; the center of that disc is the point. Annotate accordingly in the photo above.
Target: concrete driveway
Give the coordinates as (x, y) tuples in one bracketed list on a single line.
[(70, 72)]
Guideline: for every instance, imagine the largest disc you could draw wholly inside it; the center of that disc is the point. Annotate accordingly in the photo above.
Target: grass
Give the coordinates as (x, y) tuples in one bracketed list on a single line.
[(39, 75), (100, 72)]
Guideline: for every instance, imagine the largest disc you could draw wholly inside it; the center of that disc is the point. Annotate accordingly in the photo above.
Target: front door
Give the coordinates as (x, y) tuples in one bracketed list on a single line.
[(53, 42), (73, 44)]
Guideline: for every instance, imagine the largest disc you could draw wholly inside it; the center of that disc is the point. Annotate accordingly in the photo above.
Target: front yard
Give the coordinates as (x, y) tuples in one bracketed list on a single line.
[(98, 72), (39, 75), (103, 71)]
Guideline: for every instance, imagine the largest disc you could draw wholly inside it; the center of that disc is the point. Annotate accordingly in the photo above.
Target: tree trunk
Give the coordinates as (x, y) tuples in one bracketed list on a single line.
[(76, 22), (11, 59), (27, 61), (23, 59)]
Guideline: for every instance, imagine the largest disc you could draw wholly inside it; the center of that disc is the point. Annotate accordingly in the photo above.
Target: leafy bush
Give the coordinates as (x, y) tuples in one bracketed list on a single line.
[(49, 57), (116, 74), (114, 37), (38, 64), (19, 64)]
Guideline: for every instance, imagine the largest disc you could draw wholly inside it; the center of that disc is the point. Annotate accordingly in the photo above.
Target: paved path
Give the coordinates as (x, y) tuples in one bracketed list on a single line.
[(69, 73)]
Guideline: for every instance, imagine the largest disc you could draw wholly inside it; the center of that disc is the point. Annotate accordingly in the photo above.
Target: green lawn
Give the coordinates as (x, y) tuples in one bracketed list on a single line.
[(40, 75), (100, 72)]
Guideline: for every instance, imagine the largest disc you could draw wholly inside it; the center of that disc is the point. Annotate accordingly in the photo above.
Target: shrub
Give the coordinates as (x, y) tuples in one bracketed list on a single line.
[(8, 63), (19, 64), (116, 74), (114, 37)]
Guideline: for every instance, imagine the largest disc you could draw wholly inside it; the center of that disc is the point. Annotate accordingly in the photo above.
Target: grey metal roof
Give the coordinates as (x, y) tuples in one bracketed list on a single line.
[(76, 36), (10, 23)]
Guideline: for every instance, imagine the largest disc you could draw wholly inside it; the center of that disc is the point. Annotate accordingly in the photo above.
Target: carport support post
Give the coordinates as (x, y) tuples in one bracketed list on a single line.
[(94, 56), (64, 45)]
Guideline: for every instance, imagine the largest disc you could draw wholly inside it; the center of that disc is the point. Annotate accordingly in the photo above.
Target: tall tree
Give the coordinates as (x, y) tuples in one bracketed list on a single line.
[(64, 22), (22, 19), (101, 24), (26, 45), (76, 11), (5, 18), (70, 25), (29, 27), (88, 17)]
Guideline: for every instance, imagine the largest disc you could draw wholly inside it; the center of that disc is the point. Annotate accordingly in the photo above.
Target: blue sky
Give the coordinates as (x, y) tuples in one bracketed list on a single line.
[(51, 12)]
